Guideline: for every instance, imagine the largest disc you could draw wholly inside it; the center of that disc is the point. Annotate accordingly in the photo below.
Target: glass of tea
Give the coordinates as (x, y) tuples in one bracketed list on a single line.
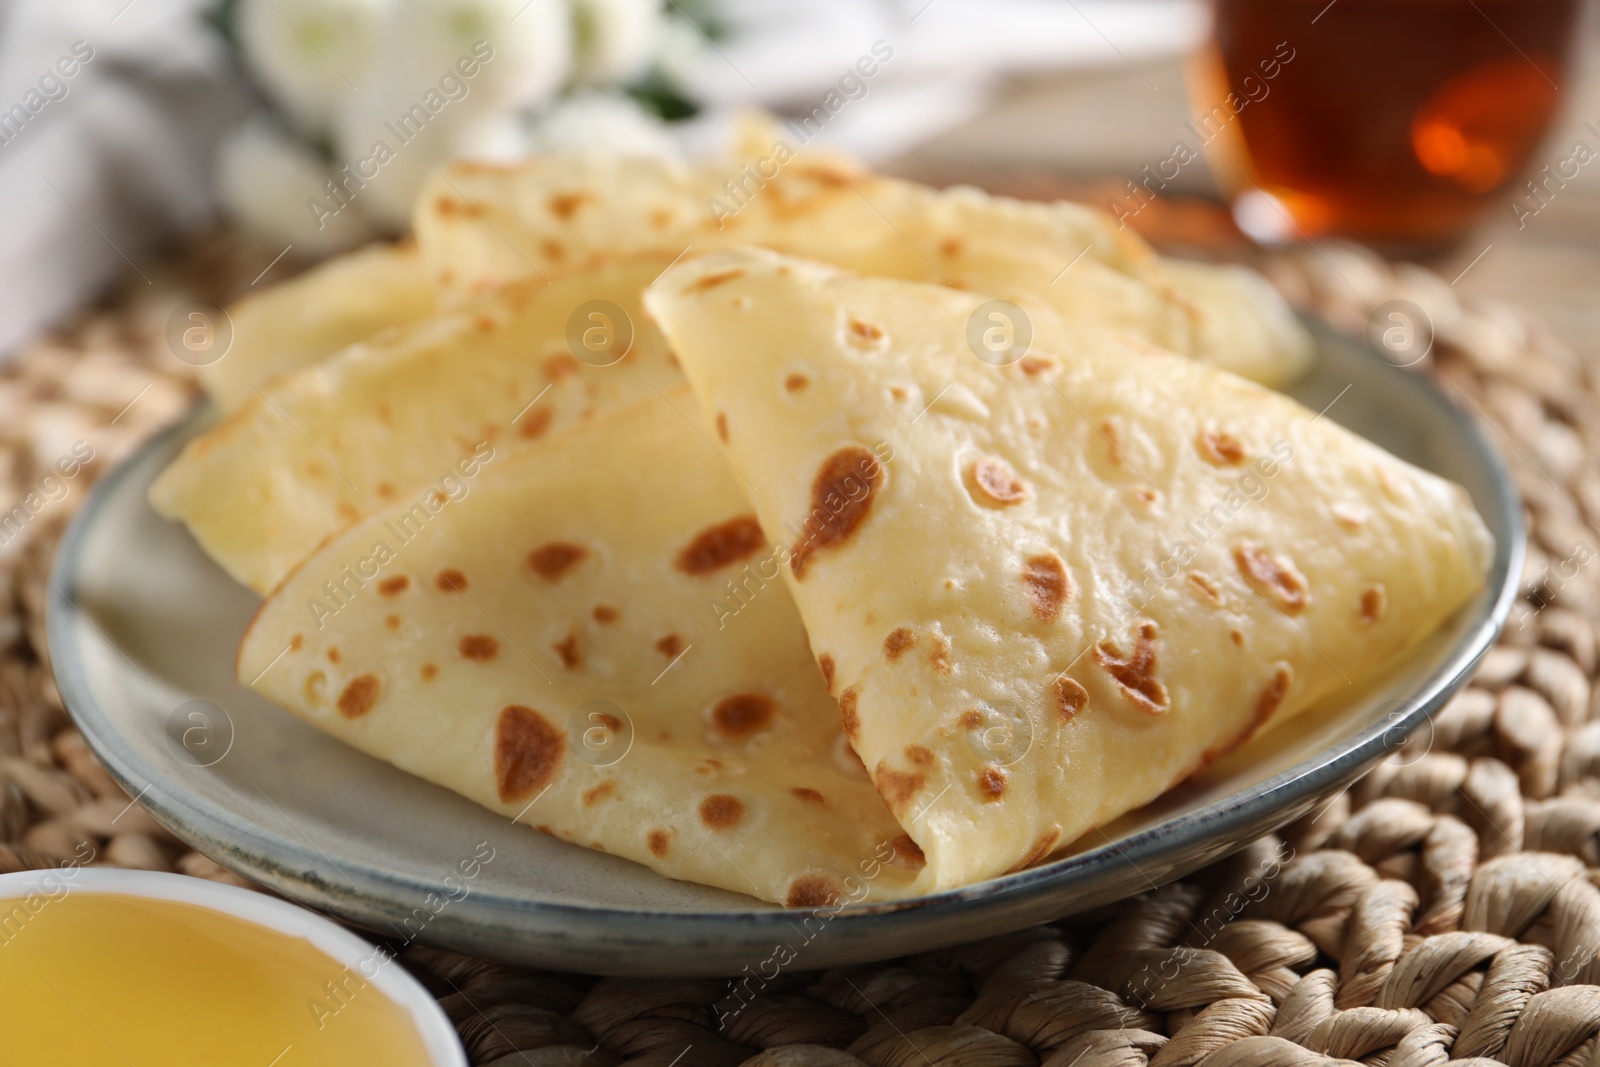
[(1395, 122)]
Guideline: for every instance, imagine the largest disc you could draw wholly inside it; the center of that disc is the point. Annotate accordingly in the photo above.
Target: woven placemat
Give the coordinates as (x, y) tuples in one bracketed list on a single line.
[(1445, 909)]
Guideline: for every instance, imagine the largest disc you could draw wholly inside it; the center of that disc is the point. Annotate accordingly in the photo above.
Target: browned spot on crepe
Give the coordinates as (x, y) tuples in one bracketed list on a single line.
[(1135, 672), (841, 496), (1220, 448), (599, 792), (527, 752), (605, 613), (742, 715), (1044, 577), (564, 205), (848, 719), (567, 648), (553, 249), (722, 426), (1033, 366), (972, 718), (825, 664), (717, 546), (796, 382), (429, 671), (670, 645), (450, 580), (707, 282), (394, 586), (297, 642), (810, 796), (997, 483), (721, 811), (1274, 577), (553, 560), (896, 787), (991, 783), (658, 841), (1041, 849), (536, 422), (908, 850), (358, 696), (897, 642), (919, 756), (1237, 636), (940, 659), (392, 621), (478, 646), (1374, 601), (1267, 704), (1206, 586), (865, 331), (1071, 697), (811, 891), (333, 654)]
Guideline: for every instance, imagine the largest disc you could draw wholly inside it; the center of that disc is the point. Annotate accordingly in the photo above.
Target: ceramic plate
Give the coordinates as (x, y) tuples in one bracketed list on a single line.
[(143, 630)]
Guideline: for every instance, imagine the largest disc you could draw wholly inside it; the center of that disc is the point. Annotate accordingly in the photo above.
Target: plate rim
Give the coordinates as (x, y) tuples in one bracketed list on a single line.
[(272, 859)]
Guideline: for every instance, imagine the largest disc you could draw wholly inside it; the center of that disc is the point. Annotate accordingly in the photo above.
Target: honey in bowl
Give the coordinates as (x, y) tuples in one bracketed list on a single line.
[(1393, 121), (105, 978)]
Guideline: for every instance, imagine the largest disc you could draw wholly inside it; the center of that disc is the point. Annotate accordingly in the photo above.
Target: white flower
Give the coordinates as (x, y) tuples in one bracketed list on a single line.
[(602, 122), (523, 48), (307, 54), (272, 184), (616, 39)]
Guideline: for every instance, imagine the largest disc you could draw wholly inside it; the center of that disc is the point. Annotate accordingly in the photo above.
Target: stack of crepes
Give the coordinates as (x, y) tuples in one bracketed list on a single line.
[(787, 530)]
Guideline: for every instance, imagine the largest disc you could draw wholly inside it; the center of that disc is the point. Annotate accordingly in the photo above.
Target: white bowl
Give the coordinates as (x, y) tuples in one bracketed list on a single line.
[(439, 1038)]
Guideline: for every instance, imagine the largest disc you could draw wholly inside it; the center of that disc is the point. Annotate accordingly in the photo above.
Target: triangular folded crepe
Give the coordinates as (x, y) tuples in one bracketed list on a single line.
[(1046, 592), (318, 449), (296, 323), (544, 647), (482, 225)]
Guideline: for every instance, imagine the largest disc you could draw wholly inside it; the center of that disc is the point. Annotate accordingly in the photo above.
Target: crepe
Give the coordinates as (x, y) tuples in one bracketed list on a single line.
[(316, 450), (301, 321), (1046, 592), (482, 225), (544, 647)]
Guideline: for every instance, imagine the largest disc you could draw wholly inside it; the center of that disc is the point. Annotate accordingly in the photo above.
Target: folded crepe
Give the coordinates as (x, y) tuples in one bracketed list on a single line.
[(303, 320), (314, 451), (482, 225), (543, 646), (1045, 592)]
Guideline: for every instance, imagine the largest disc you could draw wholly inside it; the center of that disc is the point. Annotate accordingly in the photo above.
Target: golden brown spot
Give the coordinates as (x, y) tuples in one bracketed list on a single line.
[(810, 796), (447, 207), (919, 756), (450, 580), (721, 811), (707, 282), (483, 323), (359, 696), (553, 560), (908, 850), (1044, 577), (1033, 366), (392, 621), (717, 546), (536, 422), (825, 664), (561, 365), (897, 642), (940, 659), (742, 716), (605, 613), (670, 645), (865, 331), (333, 654), (971, 718), (1374, 600), (1274, 577), (1071, 697), (1136, 671), (527, 752), (385, 490), (722, 426), (1113, 436), (1220, 448), (658, 841), (297, 642), (394, 586), (1350, 516), (429, 672), (811, 891), (1207, 587), (841, 496), (950, 246), (997, 483), (660, 218), (991, 783), (896, 787), (796, 382), (848, 719), (1040, 850), (478, 646), (897, 392), (567, 649), (553, 249), (563, 205), (1144, 494), (1267, 703), (599, 792), (1237, 636)]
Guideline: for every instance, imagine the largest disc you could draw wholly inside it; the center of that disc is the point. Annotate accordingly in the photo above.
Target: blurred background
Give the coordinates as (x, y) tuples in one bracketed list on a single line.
[(128, 125)]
